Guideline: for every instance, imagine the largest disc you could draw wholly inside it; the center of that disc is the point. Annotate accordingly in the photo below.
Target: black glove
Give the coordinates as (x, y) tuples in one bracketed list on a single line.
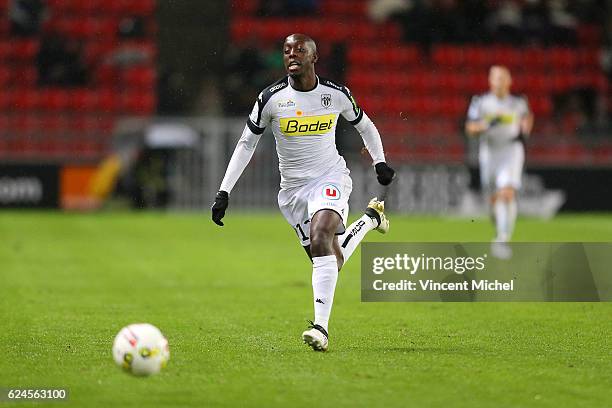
[(495, 121), (384, 173), (219, 207)]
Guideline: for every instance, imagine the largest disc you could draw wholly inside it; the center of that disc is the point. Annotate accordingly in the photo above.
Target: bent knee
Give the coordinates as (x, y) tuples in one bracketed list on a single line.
[(505, 194), (321, 242)]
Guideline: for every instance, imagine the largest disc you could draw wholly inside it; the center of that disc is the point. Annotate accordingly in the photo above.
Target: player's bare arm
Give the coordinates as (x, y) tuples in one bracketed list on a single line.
[(476, 127), (527, 124)]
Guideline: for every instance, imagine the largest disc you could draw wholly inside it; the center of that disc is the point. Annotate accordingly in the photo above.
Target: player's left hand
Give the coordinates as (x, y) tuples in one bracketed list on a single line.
[(219, 207), (384, 173)]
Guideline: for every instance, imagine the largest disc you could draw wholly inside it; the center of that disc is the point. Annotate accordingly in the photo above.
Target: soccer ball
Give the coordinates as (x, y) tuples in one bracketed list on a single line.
[(141, 349)]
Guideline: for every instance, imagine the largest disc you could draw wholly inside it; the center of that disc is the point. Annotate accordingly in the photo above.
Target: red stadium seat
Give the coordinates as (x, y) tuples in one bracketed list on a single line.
[(96, 52), (24, 76), (344, 9), (562, 58), (478, 57), (141, 77), (108, 101), (244, 7), (541, 106), (25, 124), (18, 50), (538, 84), (82, 100), (400, 55), (138, 103), (510, 57), (535, 57), (5, 76), (588, 57), (54, 99), (445, 55), (27, 100), (140, 7)]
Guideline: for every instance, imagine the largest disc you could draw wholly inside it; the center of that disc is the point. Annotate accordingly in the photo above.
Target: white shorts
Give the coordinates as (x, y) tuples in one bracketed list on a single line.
[(330, 191), (501, 166)]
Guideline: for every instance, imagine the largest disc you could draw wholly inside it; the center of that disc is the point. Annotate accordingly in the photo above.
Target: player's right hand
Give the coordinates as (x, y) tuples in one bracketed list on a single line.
[(219, 207)]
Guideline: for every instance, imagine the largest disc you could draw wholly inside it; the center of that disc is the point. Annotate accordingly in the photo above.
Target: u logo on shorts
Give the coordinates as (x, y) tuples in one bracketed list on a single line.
[(331, 192)]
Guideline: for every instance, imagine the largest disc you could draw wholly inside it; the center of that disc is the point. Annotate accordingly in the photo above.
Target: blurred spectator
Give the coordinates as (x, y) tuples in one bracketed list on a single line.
[(245, 68), (284, 8), (448, 23), (563, 24), (209, 101), (476, 13), (546, 22), (416, 22), (26, 16), (171, 93), (60, 62), (506, 23), (434, 21), (381, 10), (129, 53), (131, 27), (126, 55), (536, 21)]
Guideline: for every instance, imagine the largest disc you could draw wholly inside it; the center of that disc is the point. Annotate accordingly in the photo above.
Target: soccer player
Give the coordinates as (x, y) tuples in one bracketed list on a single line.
[(302, 109), (502, 122)]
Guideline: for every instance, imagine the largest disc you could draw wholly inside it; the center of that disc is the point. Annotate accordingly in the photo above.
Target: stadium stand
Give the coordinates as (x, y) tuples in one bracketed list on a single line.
[(419, 95), (75, 121)]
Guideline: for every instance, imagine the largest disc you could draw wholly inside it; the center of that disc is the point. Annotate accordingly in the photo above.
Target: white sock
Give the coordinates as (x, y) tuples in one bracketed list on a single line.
[(354, 234), (324, 278), (505, 218), (512, 211)]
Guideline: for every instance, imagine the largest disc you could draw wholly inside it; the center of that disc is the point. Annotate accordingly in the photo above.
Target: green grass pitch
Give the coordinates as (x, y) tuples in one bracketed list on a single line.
[(233, 302)]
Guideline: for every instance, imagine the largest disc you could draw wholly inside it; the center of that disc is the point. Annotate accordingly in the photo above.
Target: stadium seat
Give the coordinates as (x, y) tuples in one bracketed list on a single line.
[(82, 100), (26, 100), (244, 7), (107, 101), (140, 77), (344, 9)]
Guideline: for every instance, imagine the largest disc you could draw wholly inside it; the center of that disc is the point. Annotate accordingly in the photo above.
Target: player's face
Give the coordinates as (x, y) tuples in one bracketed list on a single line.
[(298, 56), (499, 80)]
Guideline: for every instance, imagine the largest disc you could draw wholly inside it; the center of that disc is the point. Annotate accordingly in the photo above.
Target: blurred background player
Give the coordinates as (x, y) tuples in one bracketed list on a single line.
[(302, 111), (502, 122)]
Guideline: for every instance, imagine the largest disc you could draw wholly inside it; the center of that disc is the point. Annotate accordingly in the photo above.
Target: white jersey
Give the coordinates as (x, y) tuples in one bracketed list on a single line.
[(510, 110), (304, 127)]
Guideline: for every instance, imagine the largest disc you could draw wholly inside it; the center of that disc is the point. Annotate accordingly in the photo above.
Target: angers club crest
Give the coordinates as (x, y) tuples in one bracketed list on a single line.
[(326, 100)]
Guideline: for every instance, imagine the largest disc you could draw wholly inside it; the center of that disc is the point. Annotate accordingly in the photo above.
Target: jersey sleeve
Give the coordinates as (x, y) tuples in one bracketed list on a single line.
[(260, 116), (371, 139), (240, 158), (474, 112), (350, 110)]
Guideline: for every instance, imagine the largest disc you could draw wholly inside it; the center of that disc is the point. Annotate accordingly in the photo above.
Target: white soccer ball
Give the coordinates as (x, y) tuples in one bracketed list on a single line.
[(141, 349)]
